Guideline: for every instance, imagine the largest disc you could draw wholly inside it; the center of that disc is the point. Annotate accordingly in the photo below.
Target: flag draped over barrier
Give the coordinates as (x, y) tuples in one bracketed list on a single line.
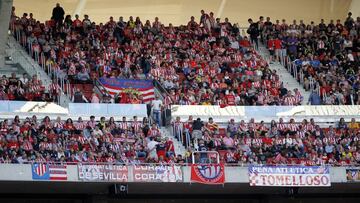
[(115, 86), (208, 173)]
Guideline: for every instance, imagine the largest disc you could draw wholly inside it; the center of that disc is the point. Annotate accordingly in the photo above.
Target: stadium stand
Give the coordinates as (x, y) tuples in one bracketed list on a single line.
[(279, 142), (323, 57), (67, 142), (247, 127), (207, 63), (123, 142), (201, 63)]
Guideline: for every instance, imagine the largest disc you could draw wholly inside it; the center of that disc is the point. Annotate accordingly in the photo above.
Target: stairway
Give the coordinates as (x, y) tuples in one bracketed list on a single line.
[(18, 55), (289, 81), (179, 147)]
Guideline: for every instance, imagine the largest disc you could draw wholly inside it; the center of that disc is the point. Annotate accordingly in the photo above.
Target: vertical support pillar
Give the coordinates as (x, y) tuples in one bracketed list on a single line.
[(5, 12)]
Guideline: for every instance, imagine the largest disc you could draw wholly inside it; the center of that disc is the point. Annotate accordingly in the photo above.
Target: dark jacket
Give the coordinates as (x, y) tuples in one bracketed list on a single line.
[(58, 13), (253, 30)]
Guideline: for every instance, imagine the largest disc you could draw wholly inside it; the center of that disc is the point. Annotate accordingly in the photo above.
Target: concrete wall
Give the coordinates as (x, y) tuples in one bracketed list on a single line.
[(179, 11), (22, 172), (355, 8)]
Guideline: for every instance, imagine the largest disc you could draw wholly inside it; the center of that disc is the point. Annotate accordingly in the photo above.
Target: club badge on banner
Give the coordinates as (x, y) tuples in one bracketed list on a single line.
[(290, 176), (44, 171), (353, 174), (208, 173), (157, 173), (115, 173)]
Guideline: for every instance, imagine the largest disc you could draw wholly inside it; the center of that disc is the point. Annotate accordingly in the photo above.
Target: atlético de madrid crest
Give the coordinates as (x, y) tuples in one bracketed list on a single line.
[(208, 173)]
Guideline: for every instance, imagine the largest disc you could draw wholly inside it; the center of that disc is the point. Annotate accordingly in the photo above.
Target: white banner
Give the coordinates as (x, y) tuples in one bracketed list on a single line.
[(157, 173), (289, 176), (116, 173)]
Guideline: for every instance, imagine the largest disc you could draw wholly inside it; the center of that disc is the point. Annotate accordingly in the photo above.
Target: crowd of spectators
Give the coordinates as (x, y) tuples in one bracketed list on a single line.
[(204, 62), (26, 89), (328, 54), (132, 142), (279, 142), (68, 142)]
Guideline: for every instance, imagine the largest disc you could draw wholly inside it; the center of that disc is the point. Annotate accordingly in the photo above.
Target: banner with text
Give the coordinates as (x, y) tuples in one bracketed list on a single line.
[(158, 173), (116, 173), (353, 174), (290, 176)]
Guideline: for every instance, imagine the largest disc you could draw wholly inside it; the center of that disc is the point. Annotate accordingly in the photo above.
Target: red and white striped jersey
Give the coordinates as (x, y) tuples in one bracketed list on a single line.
[(331, 140), (167, 101), (153, 132), (136, 126), (115, 147), (156, 73), (80, 125), (257, 142), (124, 125), (27, 146), (91, 124), (309, 127), (54, 88), (280, 141), (256, 84), (59, 125), (247, 141), (45, 145), (301, 134), (298, 98), (178, 126), (277, 83), (293, 127), (290, 100), (243, 127), (282, 126), (81, 139), (252, 125)]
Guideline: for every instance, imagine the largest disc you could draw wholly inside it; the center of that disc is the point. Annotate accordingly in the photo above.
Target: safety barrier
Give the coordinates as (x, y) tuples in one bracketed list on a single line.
[(298, 74), (39, 59), (321, 113), (98, 172)]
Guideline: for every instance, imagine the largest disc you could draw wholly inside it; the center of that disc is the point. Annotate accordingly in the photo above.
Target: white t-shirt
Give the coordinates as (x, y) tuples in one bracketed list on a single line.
[(157, 105), (152, 144)]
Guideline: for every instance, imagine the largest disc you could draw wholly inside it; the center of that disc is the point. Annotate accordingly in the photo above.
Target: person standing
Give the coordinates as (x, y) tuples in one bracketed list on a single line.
[(58, 14), (156, 106), (253, 31), (314, 98)]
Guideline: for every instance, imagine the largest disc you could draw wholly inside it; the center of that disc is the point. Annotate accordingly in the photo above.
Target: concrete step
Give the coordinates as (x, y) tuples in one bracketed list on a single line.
[(179, 147), (285, 76)]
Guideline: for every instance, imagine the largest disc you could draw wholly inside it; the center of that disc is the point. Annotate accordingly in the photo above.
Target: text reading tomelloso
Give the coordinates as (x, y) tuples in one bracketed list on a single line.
[(290, 176)]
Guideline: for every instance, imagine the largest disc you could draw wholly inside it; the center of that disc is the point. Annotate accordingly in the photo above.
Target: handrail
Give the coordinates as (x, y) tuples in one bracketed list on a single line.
[(101, 88), (161, 88), (179, 164)]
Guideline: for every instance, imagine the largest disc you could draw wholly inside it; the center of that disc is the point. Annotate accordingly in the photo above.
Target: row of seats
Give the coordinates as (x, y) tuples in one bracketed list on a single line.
[(324, 57), (67, 142), (279, 142), (187, 60)]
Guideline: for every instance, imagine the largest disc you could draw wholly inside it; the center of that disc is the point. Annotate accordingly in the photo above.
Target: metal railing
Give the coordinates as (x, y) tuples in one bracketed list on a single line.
[(298, 74), (39, 61), (178, 164)]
